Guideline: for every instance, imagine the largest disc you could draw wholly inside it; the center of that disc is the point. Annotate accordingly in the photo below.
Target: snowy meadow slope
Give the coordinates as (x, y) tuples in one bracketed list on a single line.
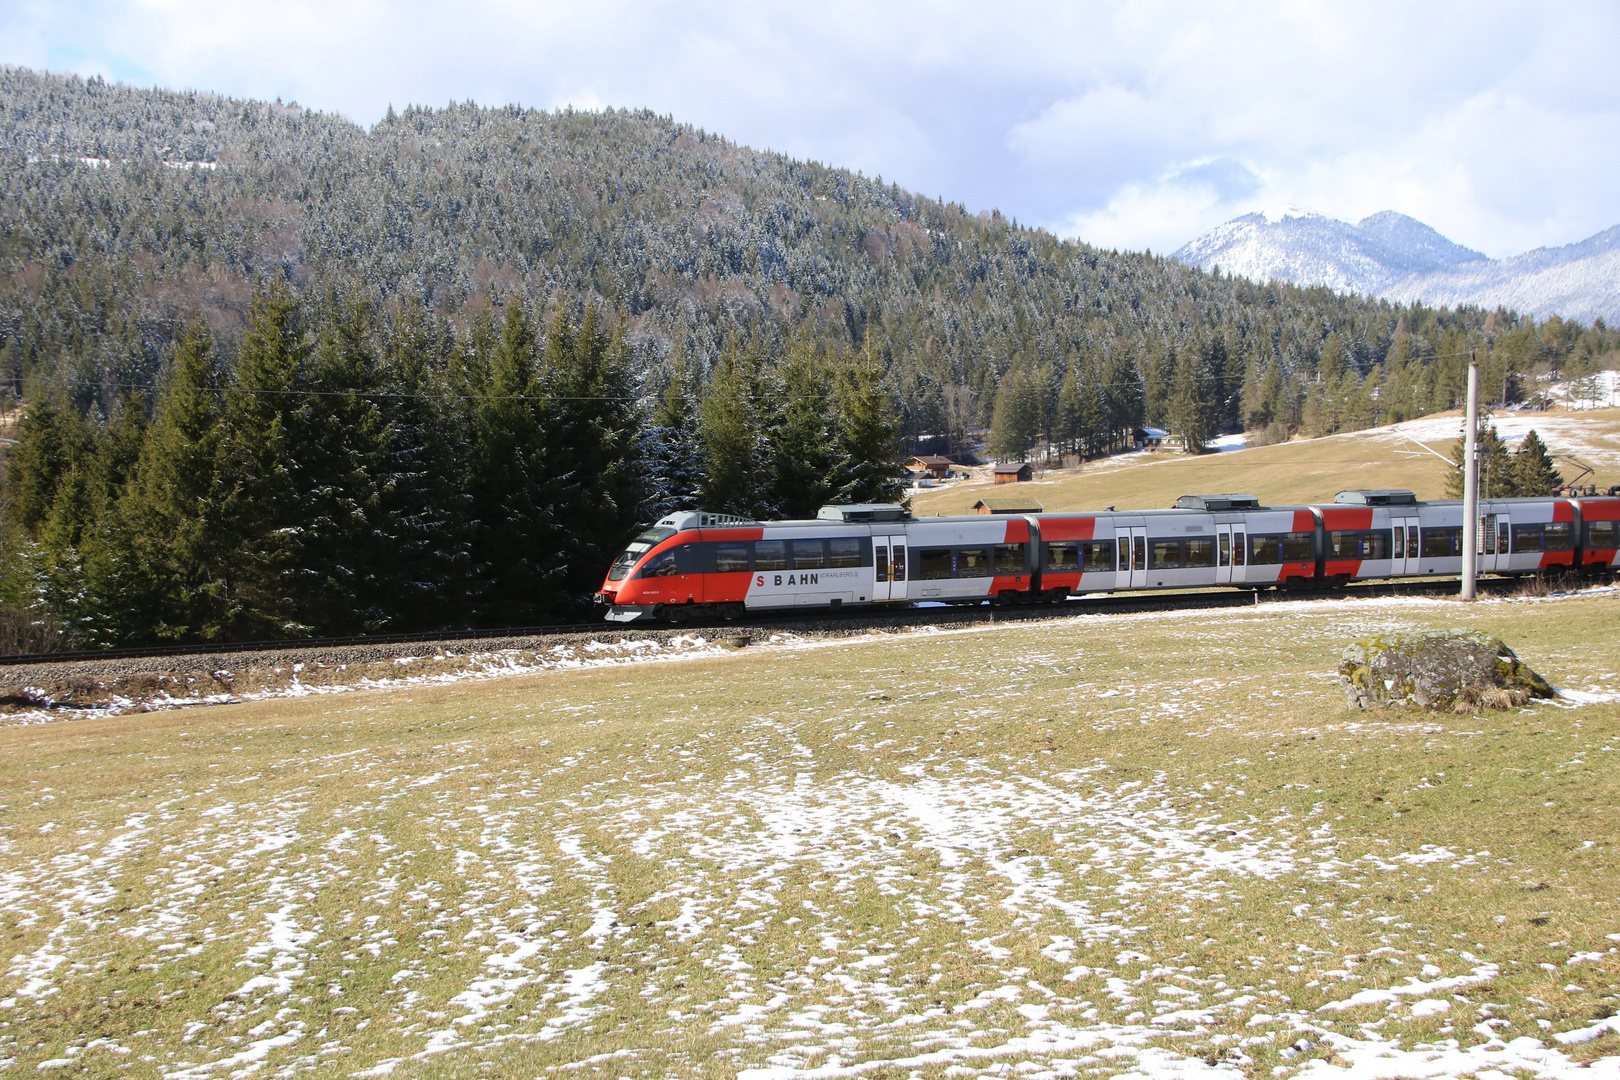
[(1154, 845)]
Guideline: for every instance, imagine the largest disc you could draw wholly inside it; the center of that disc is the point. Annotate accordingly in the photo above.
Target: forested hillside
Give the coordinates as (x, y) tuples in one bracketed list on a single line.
[(763, 327)]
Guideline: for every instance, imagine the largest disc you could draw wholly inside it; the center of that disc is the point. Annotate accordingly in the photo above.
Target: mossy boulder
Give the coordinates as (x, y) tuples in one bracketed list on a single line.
[(1456, 670)]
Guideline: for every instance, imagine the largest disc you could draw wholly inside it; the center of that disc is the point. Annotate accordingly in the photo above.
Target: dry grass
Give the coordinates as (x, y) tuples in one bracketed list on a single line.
[(1305, 470), (1090, 844)]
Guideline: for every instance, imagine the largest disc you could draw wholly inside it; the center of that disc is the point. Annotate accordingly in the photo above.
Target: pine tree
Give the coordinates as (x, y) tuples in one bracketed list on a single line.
[(1533, 470), (871, 441), (260, 505), (52, 440), (673, 447), (1092, 415), (599, 479), (1068, 431), (514, 495), (425, 476), (1126, 403), (1015, 422), (167, 570), (1497, 477), (1192, 413), (736, 471), (808, 458), (342, 555)]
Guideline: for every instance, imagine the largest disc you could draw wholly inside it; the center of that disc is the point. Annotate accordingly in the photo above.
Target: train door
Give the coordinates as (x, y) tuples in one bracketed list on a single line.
[(1132, 544), (1494, 531), (1227, 553), (889, 568), (1404, 547)]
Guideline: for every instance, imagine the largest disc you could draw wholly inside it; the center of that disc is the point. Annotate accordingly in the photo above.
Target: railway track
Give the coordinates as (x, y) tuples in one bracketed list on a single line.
[(848, 622)]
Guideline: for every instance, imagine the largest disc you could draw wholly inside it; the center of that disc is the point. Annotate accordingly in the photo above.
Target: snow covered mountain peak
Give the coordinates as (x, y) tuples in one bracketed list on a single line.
[(1392, 255), (1276, 215)]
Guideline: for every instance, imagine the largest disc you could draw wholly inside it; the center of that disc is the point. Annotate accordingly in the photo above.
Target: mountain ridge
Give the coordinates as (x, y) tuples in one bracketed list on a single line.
[(1396, 257)]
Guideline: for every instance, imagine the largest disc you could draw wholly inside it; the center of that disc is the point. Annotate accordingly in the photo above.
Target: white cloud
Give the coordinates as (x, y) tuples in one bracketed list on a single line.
[(1128, 122)]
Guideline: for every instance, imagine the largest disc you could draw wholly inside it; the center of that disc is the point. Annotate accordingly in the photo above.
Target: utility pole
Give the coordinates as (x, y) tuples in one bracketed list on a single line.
[(1470, 528)]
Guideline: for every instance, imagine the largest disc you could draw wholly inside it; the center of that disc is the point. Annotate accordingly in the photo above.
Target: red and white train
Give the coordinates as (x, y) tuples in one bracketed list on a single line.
[(693, 564)]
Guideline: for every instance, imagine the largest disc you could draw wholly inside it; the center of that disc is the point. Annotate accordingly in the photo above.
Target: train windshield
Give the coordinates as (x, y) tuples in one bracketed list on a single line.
[(638, 547)]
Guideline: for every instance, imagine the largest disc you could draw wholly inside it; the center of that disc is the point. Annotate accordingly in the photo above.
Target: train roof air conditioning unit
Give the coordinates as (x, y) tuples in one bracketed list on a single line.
[(864, 512), (1218, 502), (1377, 497)]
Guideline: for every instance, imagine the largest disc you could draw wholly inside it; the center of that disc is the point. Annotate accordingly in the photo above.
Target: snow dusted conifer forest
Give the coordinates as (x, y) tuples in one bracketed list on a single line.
[(273, 373)]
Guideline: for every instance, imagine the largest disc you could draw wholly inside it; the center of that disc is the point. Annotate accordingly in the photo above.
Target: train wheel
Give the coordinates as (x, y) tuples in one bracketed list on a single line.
[(676, 614)]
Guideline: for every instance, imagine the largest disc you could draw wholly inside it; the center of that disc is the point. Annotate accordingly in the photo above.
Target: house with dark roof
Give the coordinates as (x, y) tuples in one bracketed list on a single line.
[(930, 465), (1013, 505)]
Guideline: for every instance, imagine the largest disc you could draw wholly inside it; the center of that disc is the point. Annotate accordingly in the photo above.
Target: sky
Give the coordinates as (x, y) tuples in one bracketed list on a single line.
[(1125, 124)]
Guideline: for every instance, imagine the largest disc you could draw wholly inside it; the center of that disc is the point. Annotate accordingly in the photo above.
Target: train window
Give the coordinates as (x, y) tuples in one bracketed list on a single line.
[(638, 547), (1139, 553), (1063, 557), (973, 562), (1411, 542), (1224, 557), (1010, 559), (1200, 551), (808, 555), (899, 562), (1559, 535), (1442, 543), (882, 563), (661, 565), (1124, 553), (1342, 545), (1501, 541), (1096, 556), (1237, 549), (1374, 545), (1164, 554), (1400, 540), (770, 555), (1265, 550), (730, 558), (1603, 534), (1298, 547), (934, 564), (1527, 538), (844, 551)]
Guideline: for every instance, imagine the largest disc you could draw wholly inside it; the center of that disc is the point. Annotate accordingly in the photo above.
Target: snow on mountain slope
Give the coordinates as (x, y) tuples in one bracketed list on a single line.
[(1579, 281), (1310, 248), (1398, 257)]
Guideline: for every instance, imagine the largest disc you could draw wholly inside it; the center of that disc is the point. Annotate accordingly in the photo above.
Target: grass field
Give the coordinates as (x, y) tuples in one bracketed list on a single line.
[(1306, 470), (1150, 844)]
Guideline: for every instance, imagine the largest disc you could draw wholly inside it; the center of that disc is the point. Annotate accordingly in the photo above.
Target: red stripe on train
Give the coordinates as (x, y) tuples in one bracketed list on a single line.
[(1068, 529), (1358, 518)]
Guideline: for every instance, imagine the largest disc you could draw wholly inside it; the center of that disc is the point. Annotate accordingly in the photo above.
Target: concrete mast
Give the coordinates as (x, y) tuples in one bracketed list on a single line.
[(1470, 528)]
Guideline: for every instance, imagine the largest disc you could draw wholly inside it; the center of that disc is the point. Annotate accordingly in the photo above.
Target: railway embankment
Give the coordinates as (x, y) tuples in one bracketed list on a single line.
[(83, 685)]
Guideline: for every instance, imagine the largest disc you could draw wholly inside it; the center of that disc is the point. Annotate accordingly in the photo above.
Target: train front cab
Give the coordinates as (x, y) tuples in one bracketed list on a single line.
[(683, 564)]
